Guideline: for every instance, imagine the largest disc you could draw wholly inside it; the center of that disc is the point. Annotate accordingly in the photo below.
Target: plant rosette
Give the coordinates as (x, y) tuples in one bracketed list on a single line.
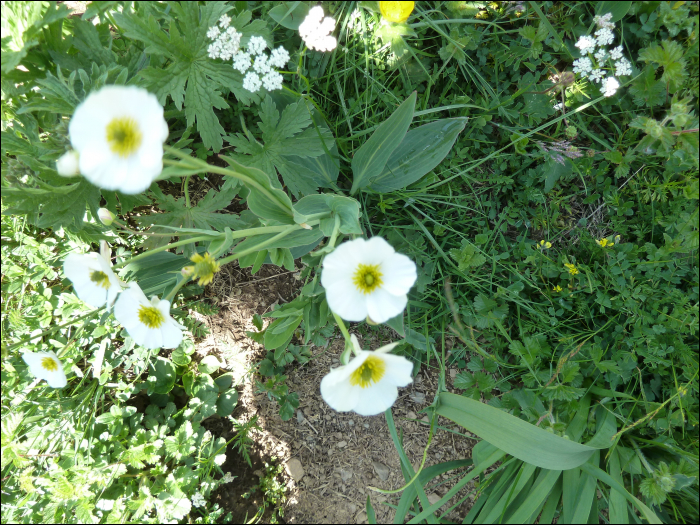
[(147, 322), (47, 366), (118, 133), (368, 384), (367, 278), (93, 280)]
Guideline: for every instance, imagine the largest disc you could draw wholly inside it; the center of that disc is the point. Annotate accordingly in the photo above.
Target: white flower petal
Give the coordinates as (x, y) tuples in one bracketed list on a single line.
[(35, 361), (79, 268), (105, 168), (376, 399), (339, 393), (346, 301), (398, 370), (382, 306), (398, 274)]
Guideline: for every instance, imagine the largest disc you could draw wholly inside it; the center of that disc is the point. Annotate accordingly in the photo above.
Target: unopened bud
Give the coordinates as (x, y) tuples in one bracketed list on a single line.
[(106, 217), (67, 164)]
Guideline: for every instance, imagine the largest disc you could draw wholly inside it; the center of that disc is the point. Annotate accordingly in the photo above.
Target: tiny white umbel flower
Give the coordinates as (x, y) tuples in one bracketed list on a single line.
[(119, 133), (45, 365), (367, 384), (316, 31), (148, 322), (367, 278), (93, 280)]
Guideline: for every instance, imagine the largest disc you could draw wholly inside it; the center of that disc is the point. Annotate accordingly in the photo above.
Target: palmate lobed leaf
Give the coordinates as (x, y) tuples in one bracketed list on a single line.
[(192, 77)]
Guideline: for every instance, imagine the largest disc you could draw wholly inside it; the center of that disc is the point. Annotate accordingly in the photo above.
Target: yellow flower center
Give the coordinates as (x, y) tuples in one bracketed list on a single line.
[(204, 268), (367, 278), (151, 316), (371, 371), (100, 279), (123, 136), (49, 364)]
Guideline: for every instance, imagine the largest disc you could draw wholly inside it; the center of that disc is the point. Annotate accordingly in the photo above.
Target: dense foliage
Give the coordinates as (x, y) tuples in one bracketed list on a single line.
[(554, 230)]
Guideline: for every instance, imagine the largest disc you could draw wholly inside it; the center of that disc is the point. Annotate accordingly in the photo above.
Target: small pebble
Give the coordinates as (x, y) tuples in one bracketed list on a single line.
[(342, 444)]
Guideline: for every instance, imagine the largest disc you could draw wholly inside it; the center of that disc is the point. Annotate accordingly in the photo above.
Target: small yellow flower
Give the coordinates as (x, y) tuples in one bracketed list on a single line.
[(396, 11), (605, 243), (617, 239), (544, 245), (204, 268), (572, 268), (557, 288)]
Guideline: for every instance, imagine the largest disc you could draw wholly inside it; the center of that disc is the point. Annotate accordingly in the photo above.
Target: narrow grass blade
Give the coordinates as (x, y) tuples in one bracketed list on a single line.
[(586, 494), (538, 494), (618, 505), (552, 504)]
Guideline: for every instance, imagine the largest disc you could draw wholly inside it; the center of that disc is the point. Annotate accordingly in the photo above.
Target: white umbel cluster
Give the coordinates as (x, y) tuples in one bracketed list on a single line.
[(316, 31), (227, 46)]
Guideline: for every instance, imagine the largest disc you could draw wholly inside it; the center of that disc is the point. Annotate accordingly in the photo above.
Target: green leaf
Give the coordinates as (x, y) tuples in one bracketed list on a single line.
[(191, 76), (226, 403), (289, 14), (223, 382), (209, 364), (513, 435), (467, 257), (553, 171), (287, 140), (397, 324), (280, 331), (421, 150), (370, 159), (646, 90), (346, 207), (670, 57), (264, 200), (162, 375), (617, 8)]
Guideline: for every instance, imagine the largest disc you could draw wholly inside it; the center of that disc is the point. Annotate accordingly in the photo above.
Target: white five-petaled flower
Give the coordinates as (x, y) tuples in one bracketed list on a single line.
[(367, 384), (148, 322), (609, 86), (119, 133), (316, 31), (367, 278), (586, 43), (68, 164), (93, 279), (45, 365)]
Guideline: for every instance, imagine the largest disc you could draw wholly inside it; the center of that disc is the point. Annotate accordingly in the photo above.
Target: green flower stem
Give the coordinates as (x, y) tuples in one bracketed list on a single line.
[(163, 248), (336, 230), (174, 291), (192, 162), (54, 329), (349, 347), (258, 247)]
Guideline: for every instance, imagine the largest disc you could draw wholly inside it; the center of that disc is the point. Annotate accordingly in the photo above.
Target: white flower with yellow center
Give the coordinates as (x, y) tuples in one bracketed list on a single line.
[(45, 365), (118, 133), (367, 278), (367, 384), (93, 279), (148, 322)]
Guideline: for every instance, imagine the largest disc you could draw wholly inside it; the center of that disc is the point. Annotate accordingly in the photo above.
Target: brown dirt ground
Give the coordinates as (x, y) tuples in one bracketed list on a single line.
[(341, 454)]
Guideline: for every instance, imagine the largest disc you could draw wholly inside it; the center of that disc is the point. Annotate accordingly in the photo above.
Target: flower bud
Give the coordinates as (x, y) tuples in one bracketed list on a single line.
[(106, 217), (67, 164)]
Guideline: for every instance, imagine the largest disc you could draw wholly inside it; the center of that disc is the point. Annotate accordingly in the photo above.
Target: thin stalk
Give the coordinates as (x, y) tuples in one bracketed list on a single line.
[(260, 246), (52, 330), (162, 249)]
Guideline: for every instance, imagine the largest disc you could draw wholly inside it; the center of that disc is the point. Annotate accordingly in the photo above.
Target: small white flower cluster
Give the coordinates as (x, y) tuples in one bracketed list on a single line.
[(226, 46), (592, 68), (316, 30), (226, 41), (197, 498)]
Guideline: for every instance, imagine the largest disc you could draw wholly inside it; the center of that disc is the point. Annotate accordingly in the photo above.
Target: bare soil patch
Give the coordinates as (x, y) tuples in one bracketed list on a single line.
[(331, 459)]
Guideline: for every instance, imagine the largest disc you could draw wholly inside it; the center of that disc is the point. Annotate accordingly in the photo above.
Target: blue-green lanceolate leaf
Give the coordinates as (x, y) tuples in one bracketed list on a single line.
[(370, 159), (420, 151), (513, 435), (346, 207)]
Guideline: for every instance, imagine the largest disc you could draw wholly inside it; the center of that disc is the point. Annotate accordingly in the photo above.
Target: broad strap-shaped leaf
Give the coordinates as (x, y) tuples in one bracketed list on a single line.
[(421, 150), (513, 435), (370, 159)]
